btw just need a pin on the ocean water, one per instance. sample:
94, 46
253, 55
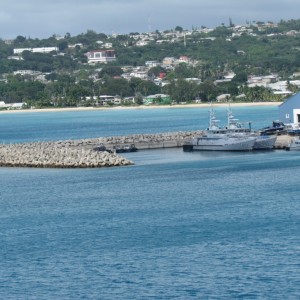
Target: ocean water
175, 225
33, 126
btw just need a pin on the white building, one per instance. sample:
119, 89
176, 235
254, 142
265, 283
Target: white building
27, 72
223, 98
139, 74
101, 56
152, 63
36, 50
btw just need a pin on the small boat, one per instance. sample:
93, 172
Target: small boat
277, 127
294, 145
292, 128
125, 148
102, 148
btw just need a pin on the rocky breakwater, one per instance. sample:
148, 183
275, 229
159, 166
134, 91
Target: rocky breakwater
56, 155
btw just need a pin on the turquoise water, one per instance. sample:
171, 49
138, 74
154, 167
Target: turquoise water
175, 225
31, 126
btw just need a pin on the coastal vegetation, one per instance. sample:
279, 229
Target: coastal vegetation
64, 78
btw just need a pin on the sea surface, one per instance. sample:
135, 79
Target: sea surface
175, 225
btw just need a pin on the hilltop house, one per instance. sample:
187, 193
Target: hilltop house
36, 50
289, 110
101, 56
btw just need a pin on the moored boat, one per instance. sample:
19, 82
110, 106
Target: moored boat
125, 148
222, 142
218, 139
262, 142
294, 145
102, 148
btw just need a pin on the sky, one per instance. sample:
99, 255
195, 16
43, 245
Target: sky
44, 18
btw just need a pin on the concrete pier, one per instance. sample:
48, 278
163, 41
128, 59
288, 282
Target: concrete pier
141, 141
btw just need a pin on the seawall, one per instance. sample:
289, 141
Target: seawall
56, 155
80, 153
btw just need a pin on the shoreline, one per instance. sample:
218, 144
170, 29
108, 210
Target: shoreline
200, 105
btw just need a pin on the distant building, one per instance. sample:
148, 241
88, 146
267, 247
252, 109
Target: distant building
101, 56
152, 63
139, 74
261, 80
12, 105
223, 98
169, 60
153, 98
15, 57
289, 110
36, 50
142, 43
27, 72
184, 59
79, 45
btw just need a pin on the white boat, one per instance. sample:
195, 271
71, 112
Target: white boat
222, 142
294, 145
237, 128
264, 142
218, 139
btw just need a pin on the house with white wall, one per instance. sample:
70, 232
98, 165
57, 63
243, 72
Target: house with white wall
36, 50
100, 56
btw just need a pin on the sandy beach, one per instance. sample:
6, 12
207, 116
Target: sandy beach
199, 105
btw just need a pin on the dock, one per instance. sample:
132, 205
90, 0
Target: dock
140, 141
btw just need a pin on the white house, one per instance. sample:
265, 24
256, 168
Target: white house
223, 98
36, 50
139, 74
152, 63
101, 56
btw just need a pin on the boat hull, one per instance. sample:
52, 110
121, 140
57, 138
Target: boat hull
222, 144
294, 145
264, 142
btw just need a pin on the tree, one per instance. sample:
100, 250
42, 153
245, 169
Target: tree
178, 28
62, 45
19, 40
148, 88
182, 91
110, 71
118, 86
240, 77
208, 91
138, 98
155, 71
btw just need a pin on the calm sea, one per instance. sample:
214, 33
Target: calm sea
175, 225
